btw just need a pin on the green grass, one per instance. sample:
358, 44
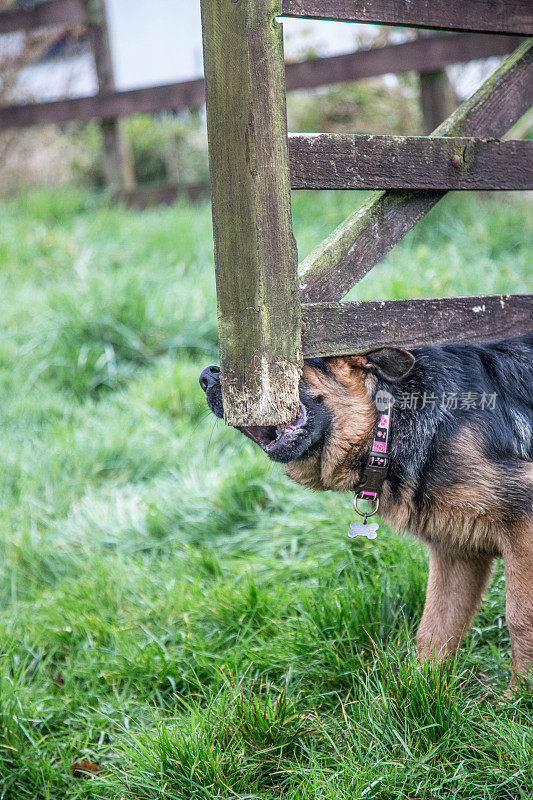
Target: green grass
173, 608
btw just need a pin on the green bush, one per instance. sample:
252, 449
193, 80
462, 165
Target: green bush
363, 107
165, 148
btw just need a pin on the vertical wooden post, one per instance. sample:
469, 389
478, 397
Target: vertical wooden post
437, 96
118, 165
255, 251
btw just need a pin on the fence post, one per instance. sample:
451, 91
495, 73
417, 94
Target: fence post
118, 165
255, 252
437, 96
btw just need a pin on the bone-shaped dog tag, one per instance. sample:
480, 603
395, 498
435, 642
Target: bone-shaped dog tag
363, 529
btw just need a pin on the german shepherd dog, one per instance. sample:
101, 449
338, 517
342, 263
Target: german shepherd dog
460, 476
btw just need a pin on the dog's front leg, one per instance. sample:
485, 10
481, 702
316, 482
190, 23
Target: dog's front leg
454, 590
518, 561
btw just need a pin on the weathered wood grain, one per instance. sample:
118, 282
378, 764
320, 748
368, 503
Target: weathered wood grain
498, 16
346, 328
40, 15
255, 251
369, 233
361, 161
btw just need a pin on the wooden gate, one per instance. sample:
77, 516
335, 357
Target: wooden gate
272, 312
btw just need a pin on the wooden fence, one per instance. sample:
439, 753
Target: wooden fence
272, 311
428, 57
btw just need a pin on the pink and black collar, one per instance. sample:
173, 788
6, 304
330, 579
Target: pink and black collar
377, 465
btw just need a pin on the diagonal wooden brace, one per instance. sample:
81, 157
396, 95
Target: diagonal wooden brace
345, 256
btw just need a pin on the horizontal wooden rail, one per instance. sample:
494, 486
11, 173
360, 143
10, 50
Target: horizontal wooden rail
498, 16
357, 161
370, 232
428, 54
346, 328
40, 15
147, 195
425, 55
105, 106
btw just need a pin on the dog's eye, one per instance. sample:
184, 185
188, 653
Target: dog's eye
319, 398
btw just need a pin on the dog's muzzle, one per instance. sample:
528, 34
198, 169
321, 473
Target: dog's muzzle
209, 377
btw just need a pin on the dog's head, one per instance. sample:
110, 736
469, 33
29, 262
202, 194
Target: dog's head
323, 446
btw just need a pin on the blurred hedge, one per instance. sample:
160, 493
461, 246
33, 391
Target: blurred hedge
165, 148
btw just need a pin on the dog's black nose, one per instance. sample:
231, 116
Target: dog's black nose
209, 376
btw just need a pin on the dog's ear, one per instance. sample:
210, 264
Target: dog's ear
388, 363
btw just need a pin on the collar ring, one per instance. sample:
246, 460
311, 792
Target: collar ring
373, 500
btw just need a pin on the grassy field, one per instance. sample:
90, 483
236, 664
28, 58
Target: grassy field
174, 610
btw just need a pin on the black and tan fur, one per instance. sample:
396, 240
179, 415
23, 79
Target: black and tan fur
459, 479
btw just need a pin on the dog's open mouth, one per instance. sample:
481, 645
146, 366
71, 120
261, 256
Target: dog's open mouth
271, 436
